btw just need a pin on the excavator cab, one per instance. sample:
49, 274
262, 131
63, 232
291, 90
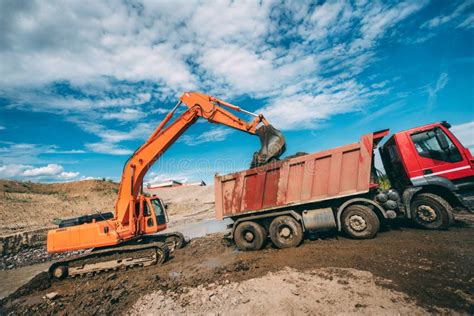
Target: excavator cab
152, 214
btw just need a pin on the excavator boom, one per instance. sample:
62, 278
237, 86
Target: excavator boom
199, 105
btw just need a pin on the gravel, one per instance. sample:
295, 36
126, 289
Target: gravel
31, 256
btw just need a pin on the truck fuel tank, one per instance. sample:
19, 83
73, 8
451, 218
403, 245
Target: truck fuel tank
319, 219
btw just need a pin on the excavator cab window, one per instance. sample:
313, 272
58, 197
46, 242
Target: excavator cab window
146, 211
159, 212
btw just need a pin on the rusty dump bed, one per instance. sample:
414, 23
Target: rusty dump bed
325, 175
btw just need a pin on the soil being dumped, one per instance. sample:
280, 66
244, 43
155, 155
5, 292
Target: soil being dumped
417, 271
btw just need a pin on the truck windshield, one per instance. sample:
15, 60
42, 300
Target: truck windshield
428, 146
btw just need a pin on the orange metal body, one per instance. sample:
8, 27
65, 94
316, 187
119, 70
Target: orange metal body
325, 175
130, 222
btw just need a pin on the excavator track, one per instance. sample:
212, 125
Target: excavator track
110, 259
174, 240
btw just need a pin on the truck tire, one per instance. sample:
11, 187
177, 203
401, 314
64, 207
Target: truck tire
431, 211
286, 232
250, 236
360, 222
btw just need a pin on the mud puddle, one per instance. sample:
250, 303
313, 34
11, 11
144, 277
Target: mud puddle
13, 279
201, 228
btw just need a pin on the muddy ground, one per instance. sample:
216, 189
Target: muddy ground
432, 268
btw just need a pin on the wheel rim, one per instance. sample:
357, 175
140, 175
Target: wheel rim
426, 213
285, 232
249, 236
357, 223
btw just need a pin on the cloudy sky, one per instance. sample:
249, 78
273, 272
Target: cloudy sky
83, 83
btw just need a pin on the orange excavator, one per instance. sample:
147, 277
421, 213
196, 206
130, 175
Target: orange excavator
129, 237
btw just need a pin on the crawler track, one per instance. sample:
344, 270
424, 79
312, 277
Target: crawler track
143, 252
102, 260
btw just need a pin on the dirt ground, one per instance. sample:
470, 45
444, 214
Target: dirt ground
188, 203
402, 270
286, 292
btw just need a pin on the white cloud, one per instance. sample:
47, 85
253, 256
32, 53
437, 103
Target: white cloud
465, 134
214, 135
108, 148
2, 127
154, 177
125, 115
455, 15
434, 90
48, 173
468, 22
308, 110
51, 169
290, 54
22, 153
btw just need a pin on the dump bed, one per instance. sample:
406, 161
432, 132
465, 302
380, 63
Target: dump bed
324, 175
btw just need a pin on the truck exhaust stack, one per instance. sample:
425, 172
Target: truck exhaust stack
273, 145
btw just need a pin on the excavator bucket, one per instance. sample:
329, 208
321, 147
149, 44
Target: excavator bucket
273, 145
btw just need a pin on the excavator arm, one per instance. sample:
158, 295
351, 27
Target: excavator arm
198, 105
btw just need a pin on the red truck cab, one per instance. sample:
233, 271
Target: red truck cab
429, 161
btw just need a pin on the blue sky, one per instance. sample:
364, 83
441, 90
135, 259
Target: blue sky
83, 83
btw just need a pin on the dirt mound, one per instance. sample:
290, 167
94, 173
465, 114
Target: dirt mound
187, 202
286, 292
77, 187
26, 206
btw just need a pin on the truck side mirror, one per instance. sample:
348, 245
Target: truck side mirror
441, 138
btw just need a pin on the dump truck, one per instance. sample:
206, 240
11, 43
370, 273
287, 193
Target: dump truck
431, 173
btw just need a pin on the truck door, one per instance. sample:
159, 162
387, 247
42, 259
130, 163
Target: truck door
438, 155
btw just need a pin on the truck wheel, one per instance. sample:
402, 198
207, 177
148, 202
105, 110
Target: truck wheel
431, 211
360, 222
286, 232
250, 236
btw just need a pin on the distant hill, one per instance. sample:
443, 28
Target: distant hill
28, 206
